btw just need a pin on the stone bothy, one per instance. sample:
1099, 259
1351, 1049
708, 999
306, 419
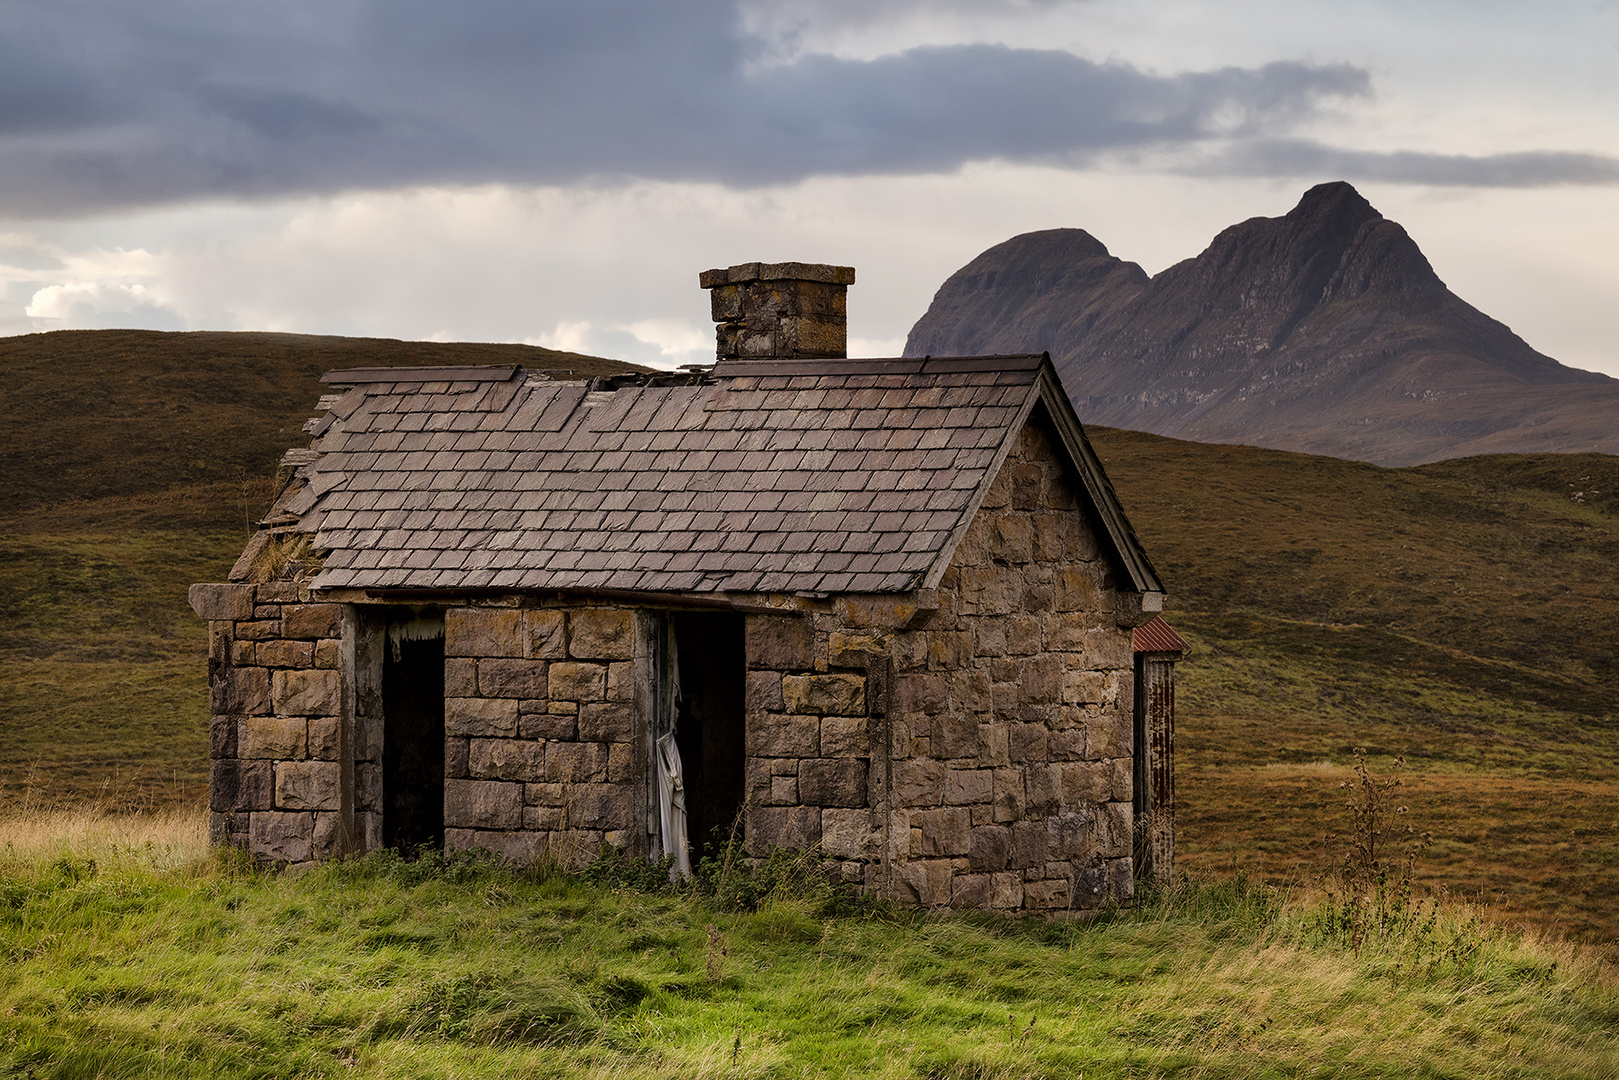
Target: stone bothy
878, 609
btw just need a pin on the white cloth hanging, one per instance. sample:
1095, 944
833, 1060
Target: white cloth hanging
671, 782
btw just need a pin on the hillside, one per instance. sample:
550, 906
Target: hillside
1325, 330
1463, 615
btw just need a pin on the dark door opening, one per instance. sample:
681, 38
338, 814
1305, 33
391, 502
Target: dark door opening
413, 733
711, 727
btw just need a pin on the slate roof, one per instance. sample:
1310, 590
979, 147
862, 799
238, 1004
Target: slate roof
774, 476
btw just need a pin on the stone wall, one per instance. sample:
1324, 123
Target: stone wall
275, 690
545, 752
976, 753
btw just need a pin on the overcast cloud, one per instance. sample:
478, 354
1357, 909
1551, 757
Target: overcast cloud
108, 104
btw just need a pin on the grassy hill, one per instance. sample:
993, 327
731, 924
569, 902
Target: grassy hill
1462, 615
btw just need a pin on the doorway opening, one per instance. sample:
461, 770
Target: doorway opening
413, 731
710, 725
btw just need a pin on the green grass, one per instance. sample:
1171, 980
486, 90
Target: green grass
152, 958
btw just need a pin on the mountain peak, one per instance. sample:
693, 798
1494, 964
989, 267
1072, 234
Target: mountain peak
1338, 200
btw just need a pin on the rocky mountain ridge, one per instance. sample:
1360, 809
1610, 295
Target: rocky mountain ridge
1325, 330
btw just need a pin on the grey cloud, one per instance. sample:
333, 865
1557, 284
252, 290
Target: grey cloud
129, 104
1298, 157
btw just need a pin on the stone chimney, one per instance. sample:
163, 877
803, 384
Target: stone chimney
780, 311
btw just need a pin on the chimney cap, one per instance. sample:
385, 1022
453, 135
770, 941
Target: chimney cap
742, 273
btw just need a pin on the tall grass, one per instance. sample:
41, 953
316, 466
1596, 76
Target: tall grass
131, 950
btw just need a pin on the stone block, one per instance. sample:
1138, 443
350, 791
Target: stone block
970, 891
1078, 590
573, 763
782, 791
329, 654
1071, 835
1067, 744
921, 692
1111, 734
238, 786
547, 634
1027, 743
368, 786
548, 725
600, 806
1062, 632
963, 787
780, 643
990, 847
1029, 844
306, 693
881, 612
285, 654
505, 677
308, 785
505, 759
1084, 688
783, 736
1009, 795
925, 882
1023, 635
281, 738
1006, 891
601, 634
544, 794
1040, 679
281, 837
606, 722
1116, 831
835, 694
1109, 649
991, 590
1121, 883
329, 840
241, 652
1042, 787
460, 677
621, 680
277, 592
854, 650
480, 717
764, 691
243, 690
989, 636
544, 818
955, 735
993, 744
918, 783
1047, 895
569, 681
221, 603
323, 738
1123, 779
1086, 783
510, 847
832, 782
259, 629
222, 731
949, 649
482, 804
848, 834
844, 737
622, 762
796, 828
483, 632
311, 621
946, 831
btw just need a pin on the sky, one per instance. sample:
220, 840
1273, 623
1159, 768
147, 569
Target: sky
558, 173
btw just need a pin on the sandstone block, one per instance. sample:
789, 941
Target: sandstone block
782, 791
1109, 649
880, 612
783, 736
844, 737
848, 834
606, 722
506, 677
1040, 679
1062, 632
505, 759
1079, 590
621, 680
547, 634
1084, 687
1009, 795
368, 786
965, 786
1046, 895
482, 804
918, 783
572, 763
780, 643
601, 634
623, 763
235, 786
329, 654
242, 690
577, 682
832, 782
221, 603
285, 654
1011, 538
835, 694
1006, 891
281, 837
599, 806
513, 848
955, 735
946, 831
259, 629
460, 677
483, 632
544, 794
480, 717
328, 840
1090, 884
1111, 734
796, 828
1042, 786
1029, 844
1071, 836
994, 741
971, 891
1117, 829
1024, 635
544, 818
306, 693
764, 691
307, 785
990, 847
921, 692
282, 738
323, 738
1067, 744
222, 732
1122, 775
311, 621
925, 882
561, 726
1086, 783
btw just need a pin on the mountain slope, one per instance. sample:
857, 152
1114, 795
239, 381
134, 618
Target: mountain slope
1325, 330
